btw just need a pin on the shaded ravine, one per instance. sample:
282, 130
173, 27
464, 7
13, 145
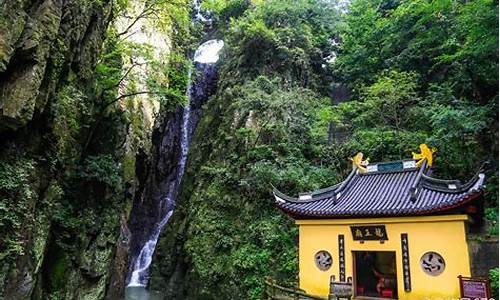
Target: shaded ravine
155, 206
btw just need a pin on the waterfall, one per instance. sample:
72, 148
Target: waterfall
208, 52
205, 57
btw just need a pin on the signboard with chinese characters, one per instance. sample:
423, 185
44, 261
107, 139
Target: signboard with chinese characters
369, 233
341, 258
340, 289
474, 288
405, 254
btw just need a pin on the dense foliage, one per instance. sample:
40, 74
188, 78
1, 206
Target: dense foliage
419, 72
494, 282
422, 72
14, 185
453, 77
262, 129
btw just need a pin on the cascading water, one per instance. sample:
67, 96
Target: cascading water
205, 56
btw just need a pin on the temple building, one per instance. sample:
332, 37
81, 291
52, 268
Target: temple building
390, 228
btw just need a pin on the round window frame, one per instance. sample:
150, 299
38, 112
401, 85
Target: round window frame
320, 267
427, 272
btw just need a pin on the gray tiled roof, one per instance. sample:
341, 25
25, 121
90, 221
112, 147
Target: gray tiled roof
403, 192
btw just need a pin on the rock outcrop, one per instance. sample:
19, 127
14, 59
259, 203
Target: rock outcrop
67, 178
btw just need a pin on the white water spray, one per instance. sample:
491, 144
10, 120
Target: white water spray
208, 52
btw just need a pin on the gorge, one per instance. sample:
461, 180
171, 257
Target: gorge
140, 140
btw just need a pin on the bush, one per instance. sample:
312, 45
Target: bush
16, 193
492, 217
70, 112
494, 282
101, 168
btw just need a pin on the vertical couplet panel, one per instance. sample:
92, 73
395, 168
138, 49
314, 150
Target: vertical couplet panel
341, 258
405, 255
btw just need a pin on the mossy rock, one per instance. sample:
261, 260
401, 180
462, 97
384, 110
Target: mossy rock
57, 271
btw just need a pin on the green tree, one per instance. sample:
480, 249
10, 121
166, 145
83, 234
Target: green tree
451, 48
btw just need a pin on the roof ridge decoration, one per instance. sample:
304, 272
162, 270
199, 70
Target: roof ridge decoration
416, 186
371, 192
345, 183
425, 154
359, 163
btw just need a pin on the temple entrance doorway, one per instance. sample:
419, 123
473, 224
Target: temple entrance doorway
375, 275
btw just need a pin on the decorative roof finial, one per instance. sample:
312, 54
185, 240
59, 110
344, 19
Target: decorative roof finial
425, 154
358, 162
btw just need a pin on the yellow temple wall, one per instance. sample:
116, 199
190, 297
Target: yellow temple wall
444, 235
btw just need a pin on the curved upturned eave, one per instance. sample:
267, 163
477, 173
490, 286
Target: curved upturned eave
282, 198
315, 196
474, 183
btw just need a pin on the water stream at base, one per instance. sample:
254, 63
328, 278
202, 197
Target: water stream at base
206, 54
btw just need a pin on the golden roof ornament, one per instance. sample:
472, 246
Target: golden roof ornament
359, 163
425, 154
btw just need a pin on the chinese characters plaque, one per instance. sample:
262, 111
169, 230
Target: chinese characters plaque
369, 233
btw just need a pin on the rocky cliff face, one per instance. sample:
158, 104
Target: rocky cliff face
164, 171
172, 271
41, 42
67, 164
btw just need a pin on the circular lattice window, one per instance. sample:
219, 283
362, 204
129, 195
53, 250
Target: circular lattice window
323, 260
432, 263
